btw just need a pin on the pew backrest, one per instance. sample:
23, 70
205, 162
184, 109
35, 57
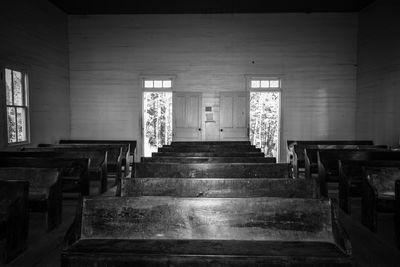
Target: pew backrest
220, 187
38, 178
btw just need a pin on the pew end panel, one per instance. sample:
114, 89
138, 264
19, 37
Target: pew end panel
14, 218
45, 191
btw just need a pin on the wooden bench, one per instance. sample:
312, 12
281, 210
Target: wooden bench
296, 150
219, 187
328, 162
209, 159
45, 193
212, 170
311, 160
168, 231
14, 218
97, 156
381, 193
220, 143
209, 154
116, 155
131, 143
207, 148
75, 171
350, 179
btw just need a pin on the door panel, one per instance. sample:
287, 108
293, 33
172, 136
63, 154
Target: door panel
233, 116
187, 116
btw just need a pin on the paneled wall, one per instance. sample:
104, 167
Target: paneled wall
34, 37
314, 54
378, 79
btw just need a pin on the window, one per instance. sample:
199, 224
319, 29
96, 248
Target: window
17, 106
255, 83
157, 84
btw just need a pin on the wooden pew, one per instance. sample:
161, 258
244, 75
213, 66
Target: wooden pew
328, 162
208, 154
98, 161
196, 143
14, 218
296, 150
311, 160
45, 193
350, 179
208, 148
219, 187
75, 171
212, 170
381, 193
113, 153
168, 231
209, 159
116, 154
131, 143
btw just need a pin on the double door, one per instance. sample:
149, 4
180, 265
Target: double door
231, 122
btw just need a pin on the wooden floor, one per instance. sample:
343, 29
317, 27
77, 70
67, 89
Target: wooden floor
44, 248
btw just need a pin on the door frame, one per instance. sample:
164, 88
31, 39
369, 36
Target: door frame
280, 91
141, 80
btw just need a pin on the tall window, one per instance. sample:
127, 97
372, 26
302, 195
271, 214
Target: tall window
17, 105
265, 115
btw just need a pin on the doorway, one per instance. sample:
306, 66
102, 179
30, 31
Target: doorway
265, 121
157, 120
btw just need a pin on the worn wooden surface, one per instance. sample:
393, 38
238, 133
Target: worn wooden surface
14, 218
212, 170
270, 229
219, 187
75, 172
209, 159
131, 143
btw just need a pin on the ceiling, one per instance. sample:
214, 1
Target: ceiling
207, 6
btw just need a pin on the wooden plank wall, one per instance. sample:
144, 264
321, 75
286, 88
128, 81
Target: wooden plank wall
315, 54
34, 36
378, 79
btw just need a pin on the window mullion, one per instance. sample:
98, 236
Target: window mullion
16, 124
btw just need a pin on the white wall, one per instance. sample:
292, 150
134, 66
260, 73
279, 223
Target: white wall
314, 53
34, 36
378, 79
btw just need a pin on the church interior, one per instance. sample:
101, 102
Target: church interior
199, 133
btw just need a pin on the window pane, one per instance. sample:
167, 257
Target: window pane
148, 84
8, 87
17, 80
21, 124
11, 123
167, 84
274, 83
255, 84
265, 84
157, 84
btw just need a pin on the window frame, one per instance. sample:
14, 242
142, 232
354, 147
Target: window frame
25, 103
